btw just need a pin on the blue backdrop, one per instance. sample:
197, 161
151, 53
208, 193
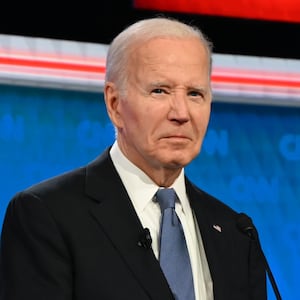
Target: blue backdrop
250, 160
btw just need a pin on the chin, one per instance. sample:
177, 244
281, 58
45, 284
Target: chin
175, 158
177, 163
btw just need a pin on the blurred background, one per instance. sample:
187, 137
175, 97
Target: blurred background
53, 118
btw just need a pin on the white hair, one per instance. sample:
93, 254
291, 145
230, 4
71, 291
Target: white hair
142, 31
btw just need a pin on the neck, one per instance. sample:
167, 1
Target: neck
164, 177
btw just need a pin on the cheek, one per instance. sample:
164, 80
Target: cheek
128, 114
134, 122
201, 122
205, 124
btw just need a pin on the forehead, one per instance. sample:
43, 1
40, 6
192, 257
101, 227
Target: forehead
168, 47
174, 56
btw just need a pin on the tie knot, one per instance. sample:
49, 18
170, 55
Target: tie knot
166, 198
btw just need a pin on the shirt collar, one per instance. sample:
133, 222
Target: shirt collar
140, 187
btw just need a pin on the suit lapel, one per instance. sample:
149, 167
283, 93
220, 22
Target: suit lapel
213, 233
109, 198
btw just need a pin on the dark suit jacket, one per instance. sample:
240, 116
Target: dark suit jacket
76, 237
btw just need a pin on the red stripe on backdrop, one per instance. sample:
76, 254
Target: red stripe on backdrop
52, 64
264, 79
272, 10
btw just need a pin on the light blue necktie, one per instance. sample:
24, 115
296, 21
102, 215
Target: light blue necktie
173, 257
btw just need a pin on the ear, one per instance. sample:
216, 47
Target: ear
112, 101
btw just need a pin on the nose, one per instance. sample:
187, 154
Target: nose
179, 109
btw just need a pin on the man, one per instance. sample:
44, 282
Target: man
81, 235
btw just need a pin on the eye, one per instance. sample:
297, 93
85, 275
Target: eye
158, 91
195, 93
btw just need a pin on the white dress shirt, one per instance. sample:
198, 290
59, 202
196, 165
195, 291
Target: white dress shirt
141, 190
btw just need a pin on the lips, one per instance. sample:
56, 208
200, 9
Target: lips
177, 137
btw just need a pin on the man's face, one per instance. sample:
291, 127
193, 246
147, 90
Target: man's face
163, 118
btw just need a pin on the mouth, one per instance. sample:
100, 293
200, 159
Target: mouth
177, 135
178, 138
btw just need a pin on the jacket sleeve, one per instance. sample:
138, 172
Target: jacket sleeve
34, 260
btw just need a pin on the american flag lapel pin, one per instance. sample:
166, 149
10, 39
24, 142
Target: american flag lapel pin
217, 227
